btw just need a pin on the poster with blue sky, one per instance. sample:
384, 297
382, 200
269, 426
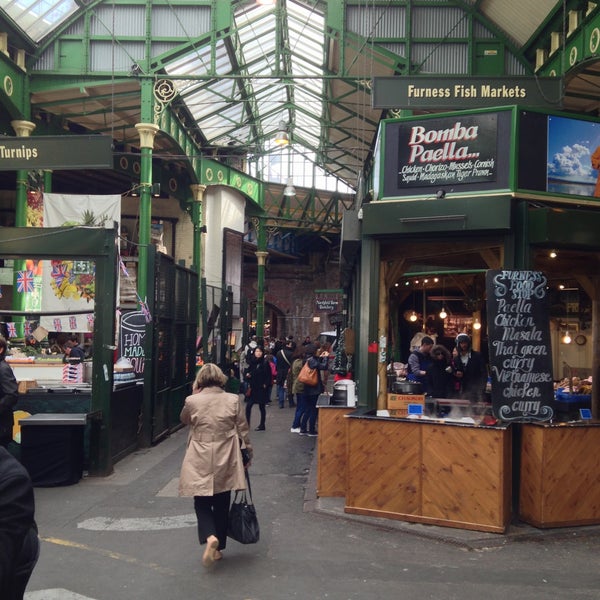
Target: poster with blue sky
573, 156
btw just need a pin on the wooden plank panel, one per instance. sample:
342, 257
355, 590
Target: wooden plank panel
531, 475
331, 448
384, 459
568, 492
463, 475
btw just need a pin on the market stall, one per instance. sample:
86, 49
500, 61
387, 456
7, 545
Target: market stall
429, 471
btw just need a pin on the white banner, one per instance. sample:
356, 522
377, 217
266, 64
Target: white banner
69, 286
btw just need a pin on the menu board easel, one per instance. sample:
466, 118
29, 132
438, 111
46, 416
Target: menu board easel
519, 346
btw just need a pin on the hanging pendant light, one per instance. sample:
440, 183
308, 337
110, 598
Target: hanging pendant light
476, 324
282, 138
289, 189
443, 313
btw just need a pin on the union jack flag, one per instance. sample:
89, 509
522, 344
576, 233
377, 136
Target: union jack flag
90, 322
57, 325
26, 328
72, 323
59, 271
123, 267
25, 281
144, 308
12, 329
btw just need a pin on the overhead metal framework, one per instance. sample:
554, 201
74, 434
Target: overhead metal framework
240, 70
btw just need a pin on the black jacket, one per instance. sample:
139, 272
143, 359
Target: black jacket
16, 523
283, 365
8, 399
258, 375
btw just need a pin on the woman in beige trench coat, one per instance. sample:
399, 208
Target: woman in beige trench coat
213, 466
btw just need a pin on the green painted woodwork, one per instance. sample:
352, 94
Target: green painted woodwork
582, 45
13, 89
576, 230
437, 216
99, 245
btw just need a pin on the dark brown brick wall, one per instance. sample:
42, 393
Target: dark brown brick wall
290, 295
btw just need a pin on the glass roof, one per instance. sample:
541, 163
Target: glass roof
39, 17
270, 72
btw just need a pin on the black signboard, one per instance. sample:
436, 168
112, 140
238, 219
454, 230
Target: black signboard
446, 152
519, 346
131, 340
56, 152
466, 92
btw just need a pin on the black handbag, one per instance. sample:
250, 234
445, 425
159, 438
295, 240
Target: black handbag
243, 523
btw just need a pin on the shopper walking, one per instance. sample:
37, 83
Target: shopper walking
260, 379
308, 422
284, 363
297, 388
213, 465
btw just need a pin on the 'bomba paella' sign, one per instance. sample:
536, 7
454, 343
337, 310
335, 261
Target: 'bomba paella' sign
448, 151
519, 345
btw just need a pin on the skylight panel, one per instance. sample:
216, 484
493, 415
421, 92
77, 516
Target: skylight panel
37, 18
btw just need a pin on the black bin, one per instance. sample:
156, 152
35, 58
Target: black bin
52, 448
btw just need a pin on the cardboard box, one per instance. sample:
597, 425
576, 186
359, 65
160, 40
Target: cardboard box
26, 384
397, 404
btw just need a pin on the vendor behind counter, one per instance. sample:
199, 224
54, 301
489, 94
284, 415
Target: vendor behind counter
73, 351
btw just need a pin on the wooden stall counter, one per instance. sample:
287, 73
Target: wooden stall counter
429, 471
560, 474
331, 450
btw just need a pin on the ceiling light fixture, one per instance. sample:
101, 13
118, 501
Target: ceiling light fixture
282, 138
266, 2
553, 254
476, 324
289, 189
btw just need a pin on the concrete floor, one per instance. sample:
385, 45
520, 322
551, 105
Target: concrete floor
129, 536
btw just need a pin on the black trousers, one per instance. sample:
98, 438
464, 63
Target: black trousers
261, 407
212, 513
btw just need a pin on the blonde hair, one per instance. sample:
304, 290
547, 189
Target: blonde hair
209, 375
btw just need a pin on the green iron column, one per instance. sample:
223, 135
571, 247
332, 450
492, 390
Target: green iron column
197, 216
22, 129
147, 132
261, 256
48, 181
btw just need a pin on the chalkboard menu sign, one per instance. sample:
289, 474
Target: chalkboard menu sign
519, 346
131, 340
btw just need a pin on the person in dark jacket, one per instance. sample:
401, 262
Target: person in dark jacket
439, 374
419, 362
259, 377
8, 396
19, 544
311, 392
284, 362
469, 370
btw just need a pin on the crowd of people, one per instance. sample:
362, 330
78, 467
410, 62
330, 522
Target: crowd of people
461, 373
266, 372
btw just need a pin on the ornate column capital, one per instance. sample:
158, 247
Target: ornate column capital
198, 190
147, 133
22, 128
261, 256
